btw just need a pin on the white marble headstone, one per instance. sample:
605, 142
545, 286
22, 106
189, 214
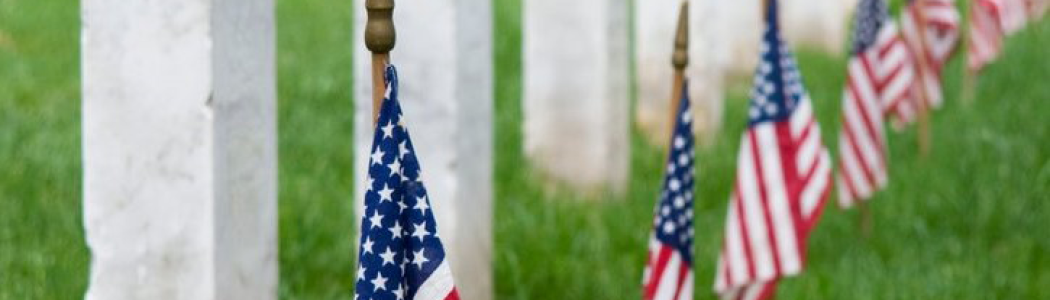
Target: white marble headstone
444, 60
576, 90
180, 152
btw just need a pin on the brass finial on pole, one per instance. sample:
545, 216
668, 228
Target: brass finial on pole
379, 38
679, 59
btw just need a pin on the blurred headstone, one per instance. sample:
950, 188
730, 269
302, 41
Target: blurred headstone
576, 91
808, 24
818, 24
180, 152
444, 60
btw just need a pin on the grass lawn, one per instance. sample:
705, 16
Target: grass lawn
967, 222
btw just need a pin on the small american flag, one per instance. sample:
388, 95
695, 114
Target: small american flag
941, 30
1014, 14
783, 178
401, 255
879, 78
986, 33
669, 269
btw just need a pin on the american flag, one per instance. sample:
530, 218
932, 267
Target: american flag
669, 269
986, 33
941, 31
401, 255
783, 178
1013, 14
879, 77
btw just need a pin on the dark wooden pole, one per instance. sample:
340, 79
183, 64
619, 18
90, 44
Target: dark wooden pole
380, 39
679, 59
762, 13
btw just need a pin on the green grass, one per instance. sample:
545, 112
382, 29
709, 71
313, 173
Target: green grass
966, 222
42, 251
315, 149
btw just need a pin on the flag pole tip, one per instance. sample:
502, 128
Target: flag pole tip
680, 57
379, 29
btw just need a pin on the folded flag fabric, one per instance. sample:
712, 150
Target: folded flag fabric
400, 254
879, 78
668, 271
783, 177
941, 30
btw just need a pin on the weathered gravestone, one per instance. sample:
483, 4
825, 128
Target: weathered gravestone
576, 91
819, 24
725, 39
444, 59
180, 151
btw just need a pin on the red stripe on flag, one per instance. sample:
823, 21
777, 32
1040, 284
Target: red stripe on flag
658, 271
454, 295
683, 270
869, 124
744, 235
793, 186
768, 291
854, 145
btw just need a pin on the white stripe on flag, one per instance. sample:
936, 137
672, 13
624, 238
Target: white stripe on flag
754, 290
802, 116
862, 140
734, 239
808, 147
814, 190
757, 229
851, 167
438, 285
686, 292
668, 284
897, 86
777, 202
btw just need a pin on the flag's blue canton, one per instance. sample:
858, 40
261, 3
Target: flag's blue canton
778, 83
673, 224
871, 15
400, 247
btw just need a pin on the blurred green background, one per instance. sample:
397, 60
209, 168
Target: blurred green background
968, 222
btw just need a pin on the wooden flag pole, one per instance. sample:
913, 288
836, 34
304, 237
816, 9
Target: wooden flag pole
762, 13
924, 99
379, 38
679, 59
969, 83
865, 219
